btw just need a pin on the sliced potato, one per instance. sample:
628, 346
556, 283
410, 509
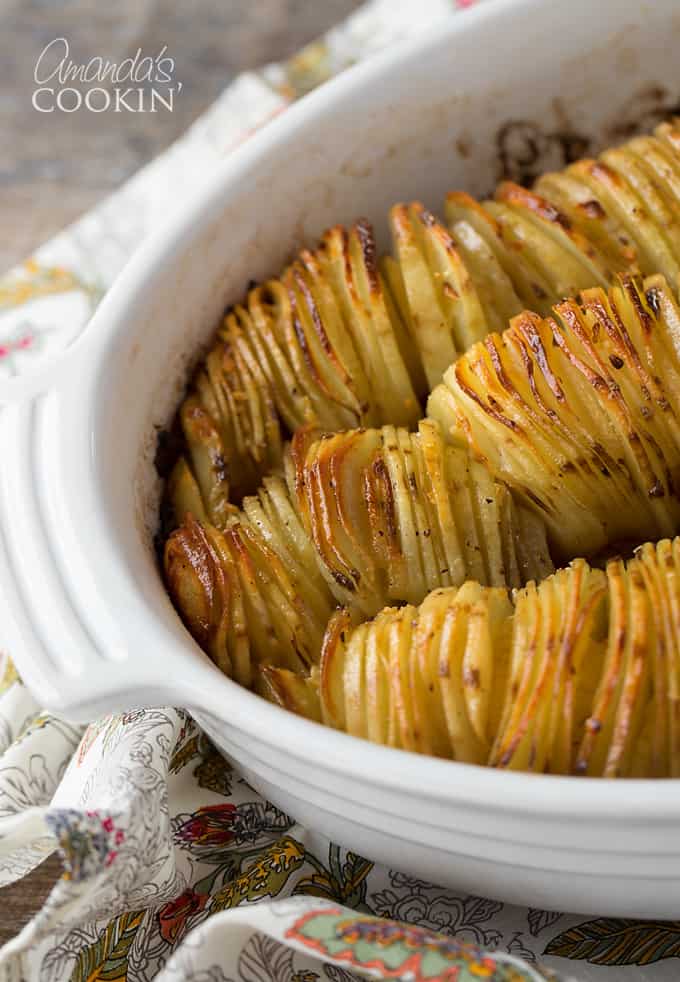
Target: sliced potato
580, 262
419, 679
579, 416
394, 514
578, 674
587, 214
184, 494
345, 338
297, 693
460, 207
495, 291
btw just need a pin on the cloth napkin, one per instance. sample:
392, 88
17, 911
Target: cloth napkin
173, 867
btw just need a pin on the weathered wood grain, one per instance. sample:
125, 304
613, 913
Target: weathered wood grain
54, 166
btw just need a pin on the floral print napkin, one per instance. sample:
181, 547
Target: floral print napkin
173, 867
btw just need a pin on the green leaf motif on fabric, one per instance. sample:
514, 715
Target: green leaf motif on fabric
398, 950
614, 941
107, 959
265, 878
214, 773
185, 753
342, 880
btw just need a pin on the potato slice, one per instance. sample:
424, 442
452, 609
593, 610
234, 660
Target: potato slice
296, 693
654, 563
460, 207
635, 690
578, 415
208, 461
412, 582
444, 478
282, 533
183, 494
329, 383
465, 742
429, 561
197, 582
281, 628
620, 199
588, 215
380, 711
554, 629
512, 747
430, 726
594, 749
331, 669
431, 540
487, 512
265, 321
663, 213
354, 682
430, 309
204, 584
661, 567
397, 635
374, 322
579, 259
557, 272
339, 521
397, 303
495, 291
489, 609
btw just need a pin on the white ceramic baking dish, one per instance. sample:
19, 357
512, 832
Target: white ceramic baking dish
84, 612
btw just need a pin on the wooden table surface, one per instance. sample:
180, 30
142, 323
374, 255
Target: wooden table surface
55, 166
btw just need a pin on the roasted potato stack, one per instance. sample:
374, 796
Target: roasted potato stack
530, 248
368, 517
394, 514
453, 292
626, 203
557, 638
576, 229
324, 344
251, 592
343, 339
577, 675
579, 414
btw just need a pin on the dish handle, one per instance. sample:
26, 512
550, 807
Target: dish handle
69, 642
56, 372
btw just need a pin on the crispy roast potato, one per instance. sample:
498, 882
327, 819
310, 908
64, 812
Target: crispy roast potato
345, 339
324, 345
368, 517
394, 514
580, 414
252, 592
563, 428
557, 626
576, 675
